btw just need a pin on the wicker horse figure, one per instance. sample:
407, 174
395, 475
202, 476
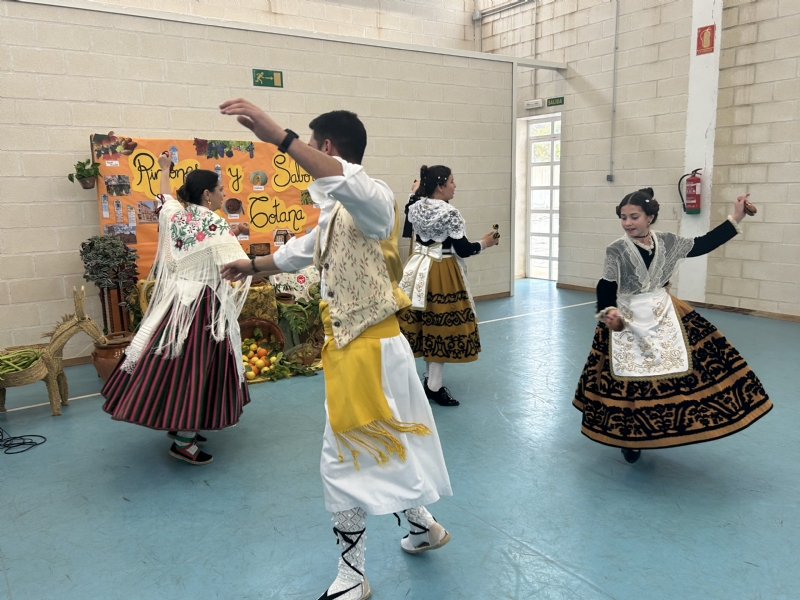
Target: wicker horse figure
52, 353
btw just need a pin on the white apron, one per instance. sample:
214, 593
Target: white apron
415, 274
653, 344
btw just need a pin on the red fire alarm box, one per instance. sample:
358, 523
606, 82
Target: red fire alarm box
705, 39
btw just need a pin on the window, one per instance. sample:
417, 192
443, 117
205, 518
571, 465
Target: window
544, 178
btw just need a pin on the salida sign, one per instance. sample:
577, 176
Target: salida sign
266, 202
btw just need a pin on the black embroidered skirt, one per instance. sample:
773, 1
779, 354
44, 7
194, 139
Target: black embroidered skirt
447, 330
718, 398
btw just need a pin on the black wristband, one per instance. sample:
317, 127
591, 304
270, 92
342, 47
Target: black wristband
287, 141
253, 263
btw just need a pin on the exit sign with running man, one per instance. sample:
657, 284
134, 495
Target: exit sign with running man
264, 78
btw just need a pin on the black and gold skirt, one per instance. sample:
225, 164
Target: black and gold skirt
447, 330
720, 396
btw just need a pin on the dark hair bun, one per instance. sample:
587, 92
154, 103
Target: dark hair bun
644, 199
181, 192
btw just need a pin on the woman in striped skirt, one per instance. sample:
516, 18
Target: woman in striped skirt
182, 372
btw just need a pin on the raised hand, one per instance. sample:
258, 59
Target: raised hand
739, 208
164, 161
255, 119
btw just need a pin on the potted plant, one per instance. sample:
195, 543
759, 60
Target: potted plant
86, 172
111, 266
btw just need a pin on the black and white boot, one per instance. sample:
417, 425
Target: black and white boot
424, 532
351, 533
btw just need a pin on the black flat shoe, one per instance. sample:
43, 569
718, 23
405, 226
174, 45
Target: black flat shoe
631, 455
201, 458
442, 396
198, 439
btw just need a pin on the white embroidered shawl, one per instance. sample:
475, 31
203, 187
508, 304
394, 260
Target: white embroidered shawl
193, 245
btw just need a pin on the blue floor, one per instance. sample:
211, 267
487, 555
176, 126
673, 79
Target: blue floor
101, 511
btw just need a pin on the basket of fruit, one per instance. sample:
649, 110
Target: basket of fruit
262, 353
261, 340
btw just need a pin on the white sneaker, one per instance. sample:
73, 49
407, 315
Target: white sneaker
433, 538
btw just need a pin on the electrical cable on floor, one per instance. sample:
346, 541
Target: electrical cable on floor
18, 444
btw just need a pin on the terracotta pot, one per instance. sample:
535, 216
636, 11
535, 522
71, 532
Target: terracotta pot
285, 298
105, 358
87, 183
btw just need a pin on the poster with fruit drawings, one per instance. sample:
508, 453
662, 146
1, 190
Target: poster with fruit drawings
266, 198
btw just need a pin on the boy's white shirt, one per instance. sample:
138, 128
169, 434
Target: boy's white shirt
369, 201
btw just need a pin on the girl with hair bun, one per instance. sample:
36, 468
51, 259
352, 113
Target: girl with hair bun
183, 371
659, 375
440, 324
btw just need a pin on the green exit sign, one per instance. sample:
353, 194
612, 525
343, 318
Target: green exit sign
555, 101
264, 78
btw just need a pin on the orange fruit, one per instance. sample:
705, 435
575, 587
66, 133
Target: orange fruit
261, 353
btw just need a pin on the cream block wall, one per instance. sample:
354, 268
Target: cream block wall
758, 151
652, 88
438, 23
66, 73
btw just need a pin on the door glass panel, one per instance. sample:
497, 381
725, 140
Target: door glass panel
540, 199
544, 179
540, 129
541, 152
539, 269
540, 176
540, 246
540, 223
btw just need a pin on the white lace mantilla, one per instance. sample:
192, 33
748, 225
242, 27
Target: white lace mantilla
436, 220
653, 344
625, 265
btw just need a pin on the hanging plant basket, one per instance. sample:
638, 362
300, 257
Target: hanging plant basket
87, 183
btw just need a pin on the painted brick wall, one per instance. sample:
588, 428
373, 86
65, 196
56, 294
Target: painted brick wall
758, 151
66, 73
438, 23
652, 87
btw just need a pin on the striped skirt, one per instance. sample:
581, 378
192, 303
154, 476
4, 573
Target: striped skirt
198, 390
718, 398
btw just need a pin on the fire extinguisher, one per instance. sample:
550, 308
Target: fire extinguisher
691, 205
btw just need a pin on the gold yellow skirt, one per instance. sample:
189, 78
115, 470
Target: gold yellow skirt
720, 396
447, 330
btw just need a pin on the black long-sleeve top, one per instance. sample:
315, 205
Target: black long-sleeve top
607, 290
461, 246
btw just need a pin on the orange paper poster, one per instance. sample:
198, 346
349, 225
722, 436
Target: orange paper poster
266, 198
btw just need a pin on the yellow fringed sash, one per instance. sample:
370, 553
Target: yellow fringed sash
357, 407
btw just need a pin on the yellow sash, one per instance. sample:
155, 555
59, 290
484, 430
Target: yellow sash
357, 407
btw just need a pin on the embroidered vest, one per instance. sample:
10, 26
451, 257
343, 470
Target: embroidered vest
361, 276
